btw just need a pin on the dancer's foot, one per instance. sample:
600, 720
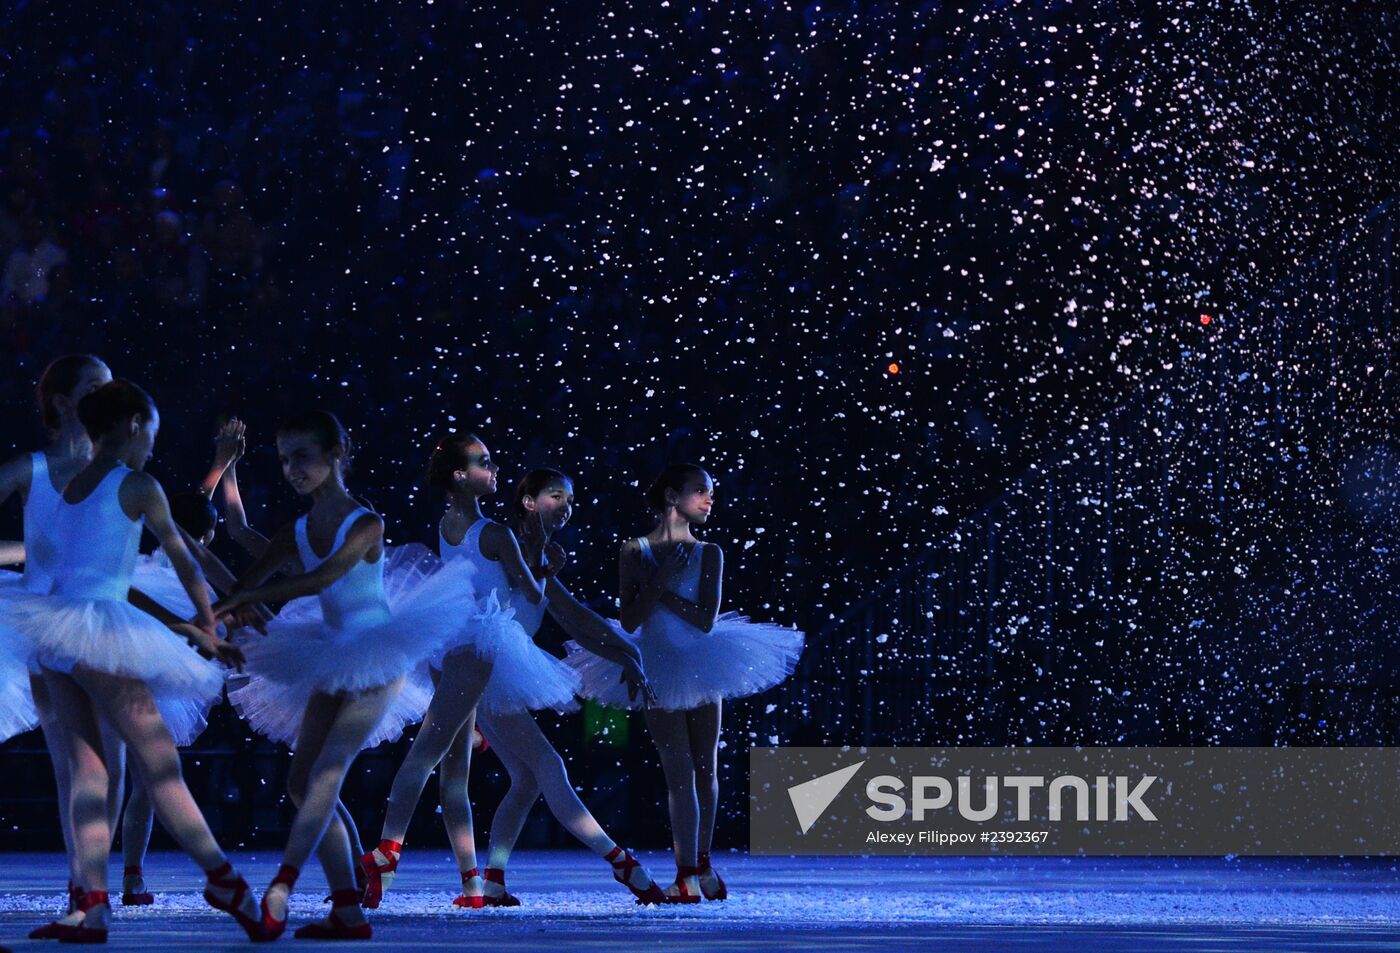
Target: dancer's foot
226, 890
686, 889
628, 871
275, 901
473, 895
93, 927
70, 918
493, 890
134, 893
711, 884
379, 866
345, 922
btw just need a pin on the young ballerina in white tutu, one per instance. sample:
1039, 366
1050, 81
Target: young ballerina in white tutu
329, 682
670, 586
24, 701
105, 660
39, 478
505, 676
543, 505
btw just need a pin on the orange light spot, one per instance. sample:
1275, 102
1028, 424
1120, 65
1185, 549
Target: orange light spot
1205, 319
893, 368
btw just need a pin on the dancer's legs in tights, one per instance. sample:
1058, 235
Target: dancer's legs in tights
703, 724
351, 830
136, 826
83, 700
688, 744
535, 768
456, 802
456, 693
54, 738
333, 731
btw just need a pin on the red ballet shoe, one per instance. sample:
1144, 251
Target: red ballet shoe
240, 905
711, 885
134, 893
494, 893
479, 742
686, 889
627, 869
93, 929
334, 928
379, 866
50, 930
270, 928
468, 900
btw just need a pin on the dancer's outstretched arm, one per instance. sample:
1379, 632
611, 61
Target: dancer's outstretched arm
595, 635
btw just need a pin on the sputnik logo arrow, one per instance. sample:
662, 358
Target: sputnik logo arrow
810, 799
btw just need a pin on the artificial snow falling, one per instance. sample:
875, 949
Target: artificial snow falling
1041, 353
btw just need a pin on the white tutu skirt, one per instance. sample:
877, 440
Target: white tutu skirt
688, 668
17, 713
117, 638
155, 577
302, 655
524, 677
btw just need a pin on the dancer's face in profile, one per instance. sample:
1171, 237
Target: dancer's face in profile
478, 477
140, 440
305, 463
695, 499
554, 504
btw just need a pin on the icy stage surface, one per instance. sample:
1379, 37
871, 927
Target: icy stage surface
571, 903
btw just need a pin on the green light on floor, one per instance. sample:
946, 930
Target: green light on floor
609, 725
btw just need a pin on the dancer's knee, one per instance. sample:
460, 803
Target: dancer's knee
706, 771
549, 767
297, 779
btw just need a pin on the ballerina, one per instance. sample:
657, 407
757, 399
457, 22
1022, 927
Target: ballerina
506, 682
105, 660
329, 682
39, 478
670, 584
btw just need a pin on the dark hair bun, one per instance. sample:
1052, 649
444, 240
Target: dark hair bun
671, 478
449, 456
60, 377
113, 404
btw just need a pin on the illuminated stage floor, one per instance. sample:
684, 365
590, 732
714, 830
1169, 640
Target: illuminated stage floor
885, 903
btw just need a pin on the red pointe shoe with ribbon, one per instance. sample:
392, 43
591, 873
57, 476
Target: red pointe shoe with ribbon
711, 885
686, 889
270, 928
628, 871
239, 900
494, 893
333, 927
479, 742
49, 931
379, 866
93, 928
134, 893
473, 895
